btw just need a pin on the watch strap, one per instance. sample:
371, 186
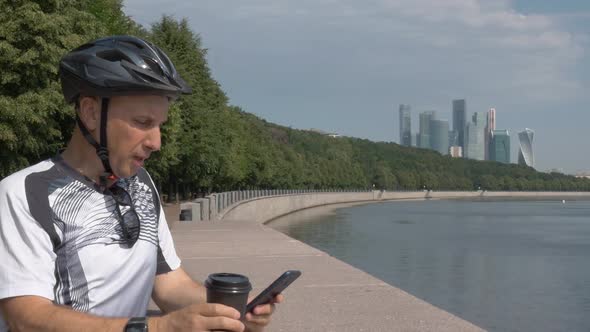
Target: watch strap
137, 324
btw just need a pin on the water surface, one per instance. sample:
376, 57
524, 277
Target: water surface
503, 265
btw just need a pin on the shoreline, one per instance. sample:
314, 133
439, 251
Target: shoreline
329, 209
265, 209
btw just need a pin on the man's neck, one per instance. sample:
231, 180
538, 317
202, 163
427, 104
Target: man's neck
81, 156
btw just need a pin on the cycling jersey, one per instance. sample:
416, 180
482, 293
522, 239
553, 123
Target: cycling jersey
60, 239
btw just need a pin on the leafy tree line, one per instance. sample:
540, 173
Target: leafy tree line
208, 145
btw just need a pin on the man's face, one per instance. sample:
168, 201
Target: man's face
133, 131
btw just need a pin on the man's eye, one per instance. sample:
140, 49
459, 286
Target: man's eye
142, 122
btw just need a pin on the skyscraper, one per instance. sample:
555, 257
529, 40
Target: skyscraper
474, 137
424, 138
453, 138
490, 127
525, 154
459, 120
405, 125
500, 146
439, 136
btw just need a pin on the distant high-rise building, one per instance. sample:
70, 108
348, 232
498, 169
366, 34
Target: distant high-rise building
474, 137
525, 154
453, 138
424, 138
415, 139
490, 127
439, 136
492, 119
500, 146
459, 120
456, 151
405, 125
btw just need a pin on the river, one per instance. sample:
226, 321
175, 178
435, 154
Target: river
502, 265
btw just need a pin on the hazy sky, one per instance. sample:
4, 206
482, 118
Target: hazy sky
345, 66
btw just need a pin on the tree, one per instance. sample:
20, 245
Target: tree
34, 119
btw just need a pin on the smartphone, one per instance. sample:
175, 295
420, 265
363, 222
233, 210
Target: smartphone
274, 289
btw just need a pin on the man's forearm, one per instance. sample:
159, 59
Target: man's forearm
191, 293
177, 290
29, 313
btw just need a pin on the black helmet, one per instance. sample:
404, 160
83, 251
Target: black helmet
118, 66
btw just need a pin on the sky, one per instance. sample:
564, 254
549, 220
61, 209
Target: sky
344, 66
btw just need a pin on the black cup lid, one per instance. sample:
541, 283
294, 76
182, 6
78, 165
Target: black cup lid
229, 280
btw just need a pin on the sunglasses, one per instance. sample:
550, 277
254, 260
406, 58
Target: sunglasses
129, 221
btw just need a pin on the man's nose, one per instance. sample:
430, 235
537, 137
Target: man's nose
154, 139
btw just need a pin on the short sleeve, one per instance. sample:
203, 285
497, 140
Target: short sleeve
167, 258
26, 251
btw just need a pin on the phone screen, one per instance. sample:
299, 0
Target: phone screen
274, 289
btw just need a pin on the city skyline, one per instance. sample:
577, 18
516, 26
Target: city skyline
339, 66
482, 140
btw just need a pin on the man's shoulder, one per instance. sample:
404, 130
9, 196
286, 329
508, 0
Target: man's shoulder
144, 176
16, 180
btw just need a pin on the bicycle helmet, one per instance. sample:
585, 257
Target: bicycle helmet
117, 66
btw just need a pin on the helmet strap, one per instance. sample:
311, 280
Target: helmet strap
101, 149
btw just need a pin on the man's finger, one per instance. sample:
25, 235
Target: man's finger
264, 309
215, 310
223, 323
258, 319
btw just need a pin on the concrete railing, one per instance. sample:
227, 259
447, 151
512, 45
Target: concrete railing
215, 206
264, 205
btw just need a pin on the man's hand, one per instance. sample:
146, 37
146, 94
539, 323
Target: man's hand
256, 321
199, 317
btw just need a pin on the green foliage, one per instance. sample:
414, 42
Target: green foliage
208, 145
34, 120
111, 17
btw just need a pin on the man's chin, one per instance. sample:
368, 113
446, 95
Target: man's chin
131, 171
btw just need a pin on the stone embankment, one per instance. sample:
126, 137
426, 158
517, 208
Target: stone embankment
265, 205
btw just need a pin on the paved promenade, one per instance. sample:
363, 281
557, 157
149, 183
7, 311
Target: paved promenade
329, 296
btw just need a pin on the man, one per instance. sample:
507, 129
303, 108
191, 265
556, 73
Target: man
83, 240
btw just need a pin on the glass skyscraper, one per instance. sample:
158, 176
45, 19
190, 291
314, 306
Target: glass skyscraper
439, 136
500, 146
475, 137
405, 125
424, 137
490, 127
459, 120
525, 154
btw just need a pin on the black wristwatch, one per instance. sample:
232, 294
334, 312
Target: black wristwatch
137, 324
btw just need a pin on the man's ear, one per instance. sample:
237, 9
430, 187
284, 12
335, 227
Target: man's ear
89, 112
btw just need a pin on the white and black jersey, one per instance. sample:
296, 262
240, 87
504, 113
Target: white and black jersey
60, 239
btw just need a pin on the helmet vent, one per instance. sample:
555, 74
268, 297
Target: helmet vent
154, 66
112, 55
